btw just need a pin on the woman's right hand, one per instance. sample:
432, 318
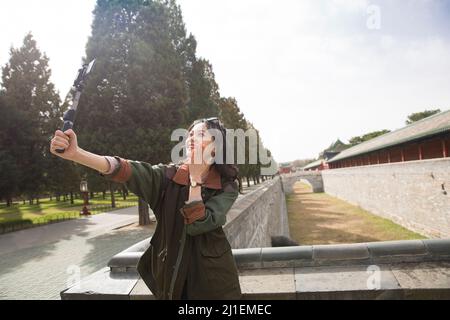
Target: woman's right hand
67, 141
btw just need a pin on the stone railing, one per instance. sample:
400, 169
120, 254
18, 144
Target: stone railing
377, 270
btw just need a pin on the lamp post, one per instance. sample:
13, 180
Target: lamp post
85, 192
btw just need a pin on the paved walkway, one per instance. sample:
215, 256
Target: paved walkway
87, 227
38, 263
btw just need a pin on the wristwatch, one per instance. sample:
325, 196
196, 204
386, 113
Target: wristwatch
195, 184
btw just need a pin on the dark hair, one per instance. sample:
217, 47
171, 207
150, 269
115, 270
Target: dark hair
228, 172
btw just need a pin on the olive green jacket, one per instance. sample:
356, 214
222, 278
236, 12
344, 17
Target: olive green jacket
192, 256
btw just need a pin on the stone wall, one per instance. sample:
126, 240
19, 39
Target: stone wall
414, 194
258, 216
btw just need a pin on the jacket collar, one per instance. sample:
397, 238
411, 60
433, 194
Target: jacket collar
213, 179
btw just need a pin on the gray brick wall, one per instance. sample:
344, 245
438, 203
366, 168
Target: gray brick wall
258, 216
409, 193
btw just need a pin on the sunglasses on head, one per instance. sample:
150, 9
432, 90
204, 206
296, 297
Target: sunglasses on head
214, 119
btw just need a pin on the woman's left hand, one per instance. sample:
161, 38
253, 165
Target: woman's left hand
198, 172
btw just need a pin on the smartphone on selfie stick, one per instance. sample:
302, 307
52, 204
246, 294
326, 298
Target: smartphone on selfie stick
78, 86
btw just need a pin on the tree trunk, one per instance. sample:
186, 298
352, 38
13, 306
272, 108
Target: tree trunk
113, 199
124, 193
248, 181
71, 198
8, 201
104, 194
37, 200
58, 197
30, 201
144, 214
92, 195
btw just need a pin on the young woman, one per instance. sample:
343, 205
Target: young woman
189, 256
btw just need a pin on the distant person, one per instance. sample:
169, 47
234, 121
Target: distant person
189, 255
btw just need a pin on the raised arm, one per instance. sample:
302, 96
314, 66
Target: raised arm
143, 179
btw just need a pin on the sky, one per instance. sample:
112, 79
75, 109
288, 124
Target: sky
305, 73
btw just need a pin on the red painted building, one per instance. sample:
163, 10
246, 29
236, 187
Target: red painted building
426, 139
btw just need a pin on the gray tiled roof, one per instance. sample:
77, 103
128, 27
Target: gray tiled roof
426, 127
313, 164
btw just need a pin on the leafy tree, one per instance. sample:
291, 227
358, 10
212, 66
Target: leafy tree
137, 93
9, 181
413, 117
31, 104
203, 91
233, 118
231, 115
366, 137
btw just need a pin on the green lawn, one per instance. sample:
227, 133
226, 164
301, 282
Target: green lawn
318, 218
53, 210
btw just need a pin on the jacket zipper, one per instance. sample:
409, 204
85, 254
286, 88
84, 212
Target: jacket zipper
177, 264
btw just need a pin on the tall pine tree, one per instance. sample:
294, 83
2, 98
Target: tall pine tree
31, 104
137, 93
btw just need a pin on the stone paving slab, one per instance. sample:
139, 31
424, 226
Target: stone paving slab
344, 278
423, 275
104, 285
274, 283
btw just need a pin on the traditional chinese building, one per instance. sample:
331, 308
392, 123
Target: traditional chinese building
425, 139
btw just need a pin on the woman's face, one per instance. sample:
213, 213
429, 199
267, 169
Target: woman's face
200, 145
